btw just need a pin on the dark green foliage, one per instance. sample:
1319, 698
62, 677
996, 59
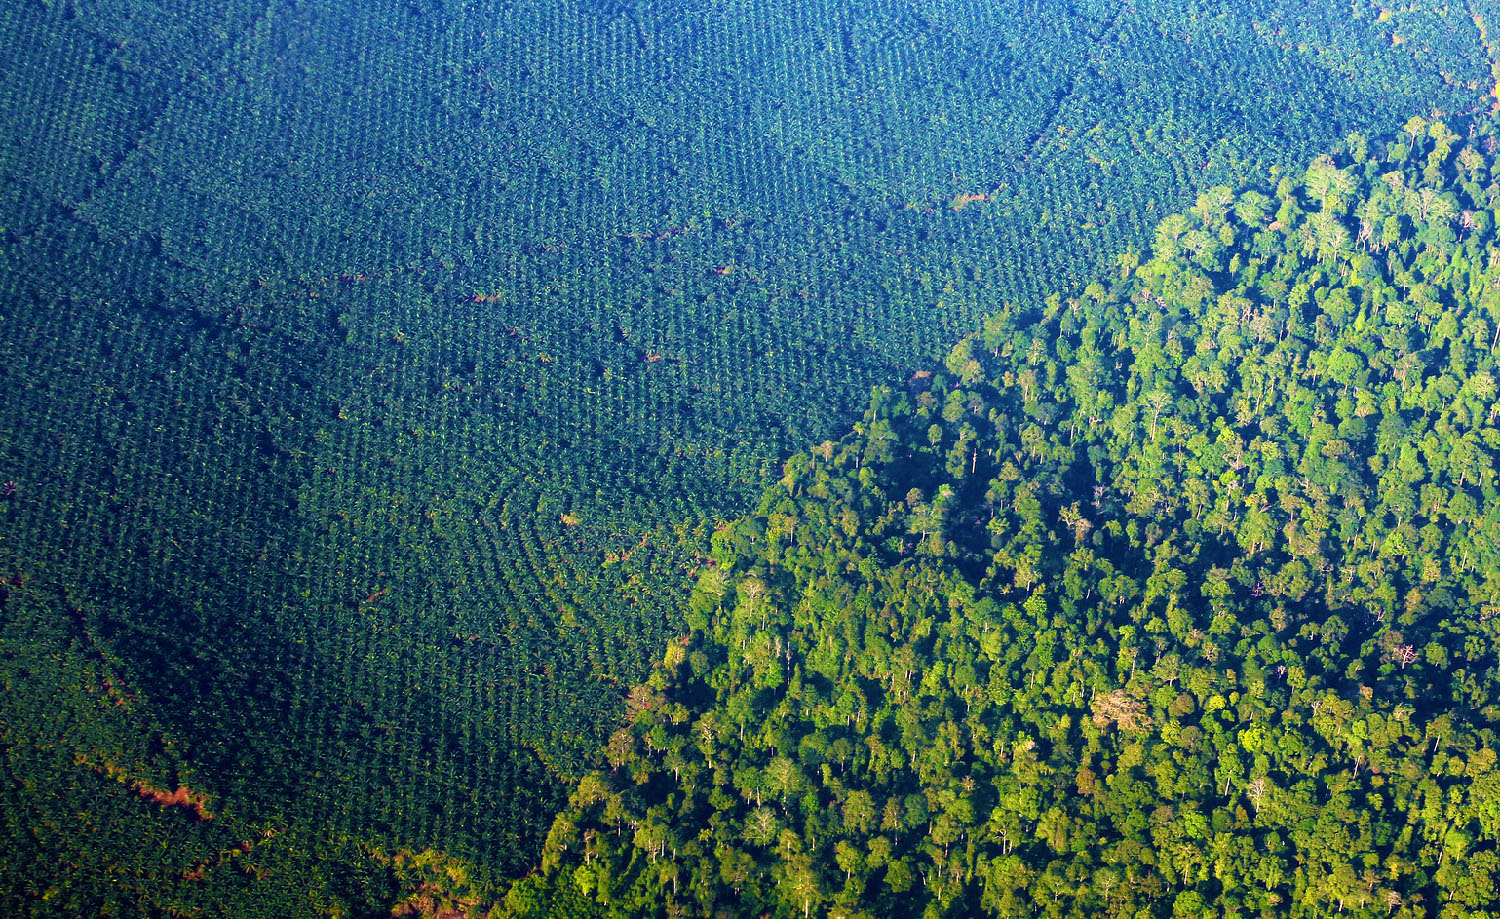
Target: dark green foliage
374, 371
1175, 598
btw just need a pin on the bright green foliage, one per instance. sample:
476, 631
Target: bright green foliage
1187, 610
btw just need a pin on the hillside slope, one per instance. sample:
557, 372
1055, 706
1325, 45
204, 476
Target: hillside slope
375, 372
1177, 598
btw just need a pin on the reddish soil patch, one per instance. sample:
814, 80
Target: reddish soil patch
194, 802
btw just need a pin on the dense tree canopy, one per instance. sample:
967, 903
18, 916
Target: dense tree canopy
1174, 598
375, 374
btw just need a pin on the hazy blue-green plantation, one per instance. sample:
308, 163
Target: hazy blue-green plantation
375, 377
